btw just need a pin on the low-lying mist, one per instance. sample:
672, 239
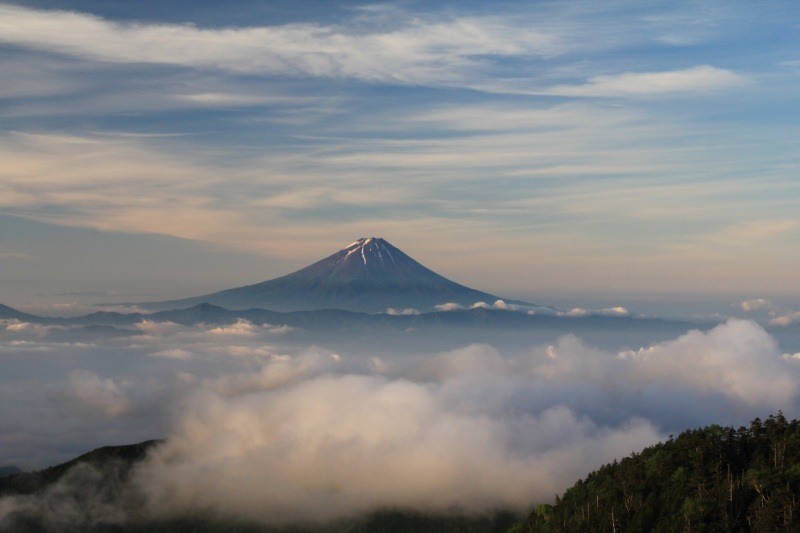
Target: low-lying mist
260, 426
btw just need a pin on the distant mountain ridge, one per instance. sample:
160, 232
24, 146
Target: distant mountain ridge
370, 275
478, 320
9, 312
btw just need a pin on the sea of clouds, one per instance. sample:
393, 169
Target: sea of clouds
268, 429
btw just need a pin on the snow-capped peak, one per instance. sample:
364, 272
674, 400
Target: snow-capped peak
363, 241
370, 248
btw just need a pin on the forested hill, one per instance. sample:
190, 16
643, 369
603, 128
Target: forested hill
713, 479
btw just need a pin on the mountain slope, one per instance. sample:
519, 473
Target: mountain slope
370, 275
7, 312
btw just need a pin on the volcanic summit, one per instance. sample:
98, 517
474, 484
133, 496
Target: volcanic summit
370, 275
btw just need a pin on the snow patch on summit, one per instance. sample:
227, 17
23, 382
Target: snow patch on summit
368, 246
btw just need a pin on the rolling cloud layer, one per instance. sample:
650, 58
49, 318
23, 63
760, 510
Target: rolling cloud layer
260, 427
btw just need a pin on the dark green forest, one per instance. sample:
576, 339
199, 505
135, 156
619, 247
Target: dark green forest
713, 479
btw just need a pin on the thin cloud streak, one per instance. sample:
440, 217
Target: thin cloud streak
700, 78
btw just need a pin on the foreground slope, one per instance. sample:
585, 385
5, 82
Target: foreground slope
370, 275
711, 479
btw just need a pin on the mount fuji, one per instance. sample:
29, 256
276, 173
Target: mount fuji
370, 275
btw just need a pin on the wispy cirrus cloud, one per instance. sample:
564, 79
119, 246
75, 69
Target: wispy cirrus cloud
411, 51
72, 172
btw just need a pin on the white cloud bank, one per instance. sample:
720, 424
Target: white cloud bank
313, 435
468, 428
739, 360
339, 445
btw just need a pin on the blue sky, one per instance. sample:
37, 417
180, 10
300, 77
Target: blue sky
541, 150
